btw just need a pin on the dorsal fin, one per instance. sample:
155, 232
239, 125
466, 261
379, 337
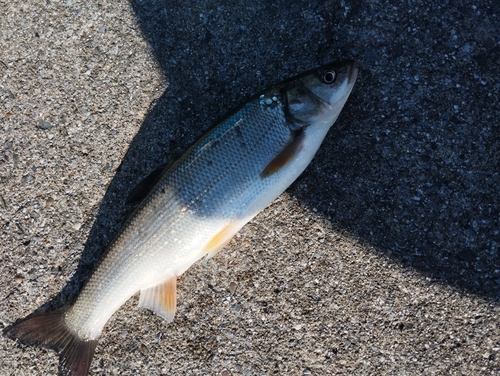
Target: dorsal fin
284, 157
162, 298
142, 189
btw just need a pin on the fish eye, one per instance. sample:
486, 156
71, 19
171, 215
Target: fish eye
328, 76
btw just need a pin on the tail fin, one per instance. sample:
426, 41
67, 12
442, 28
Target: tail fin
50, 330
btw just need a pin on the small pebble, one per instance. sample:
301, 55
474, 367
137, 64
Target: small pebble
49, 202
232, 287
143, 349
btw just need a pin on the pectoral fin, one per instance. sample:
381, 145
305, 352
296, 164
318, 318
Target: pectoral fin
162, 299
284, 157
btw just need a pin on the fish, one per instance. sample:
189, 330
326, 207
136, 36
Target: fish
192, 208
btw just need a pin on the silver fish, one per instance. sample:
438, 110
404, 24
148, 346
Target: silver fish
196, 206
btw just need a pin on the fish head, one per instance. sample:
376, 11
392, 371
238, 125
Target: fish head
317, 97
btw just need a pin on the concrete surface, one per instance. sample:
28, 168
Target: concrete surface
383, 258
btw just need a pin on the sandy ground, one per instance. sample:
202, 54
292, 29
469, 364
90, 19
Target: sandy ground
383, 258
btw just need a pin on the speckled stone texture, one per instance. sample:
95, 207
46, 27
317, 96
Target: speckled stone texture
383, 258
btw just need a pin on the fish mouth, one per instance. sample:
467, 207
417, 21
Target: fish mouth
353, 70
349, 64
352, 75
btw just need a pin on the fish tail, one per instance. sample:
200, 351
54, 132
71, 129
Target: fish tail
50, 330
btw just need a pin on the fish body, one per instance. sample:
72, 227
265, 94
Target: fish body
197, 206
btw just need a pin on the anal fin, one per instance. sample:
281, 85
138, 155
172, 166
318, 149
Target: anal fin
162, 298
284, 157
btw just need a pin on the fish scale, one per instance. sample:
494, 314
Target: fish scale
196, 207
232, 172
197, 197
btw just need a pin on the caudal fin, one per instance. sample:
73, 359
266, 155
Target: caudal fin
50, 330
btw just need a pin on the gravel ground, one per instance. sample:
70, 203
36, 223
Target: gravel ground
383, 258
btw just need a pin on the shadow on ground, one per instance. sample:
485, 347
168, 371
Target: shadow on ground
412, 167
